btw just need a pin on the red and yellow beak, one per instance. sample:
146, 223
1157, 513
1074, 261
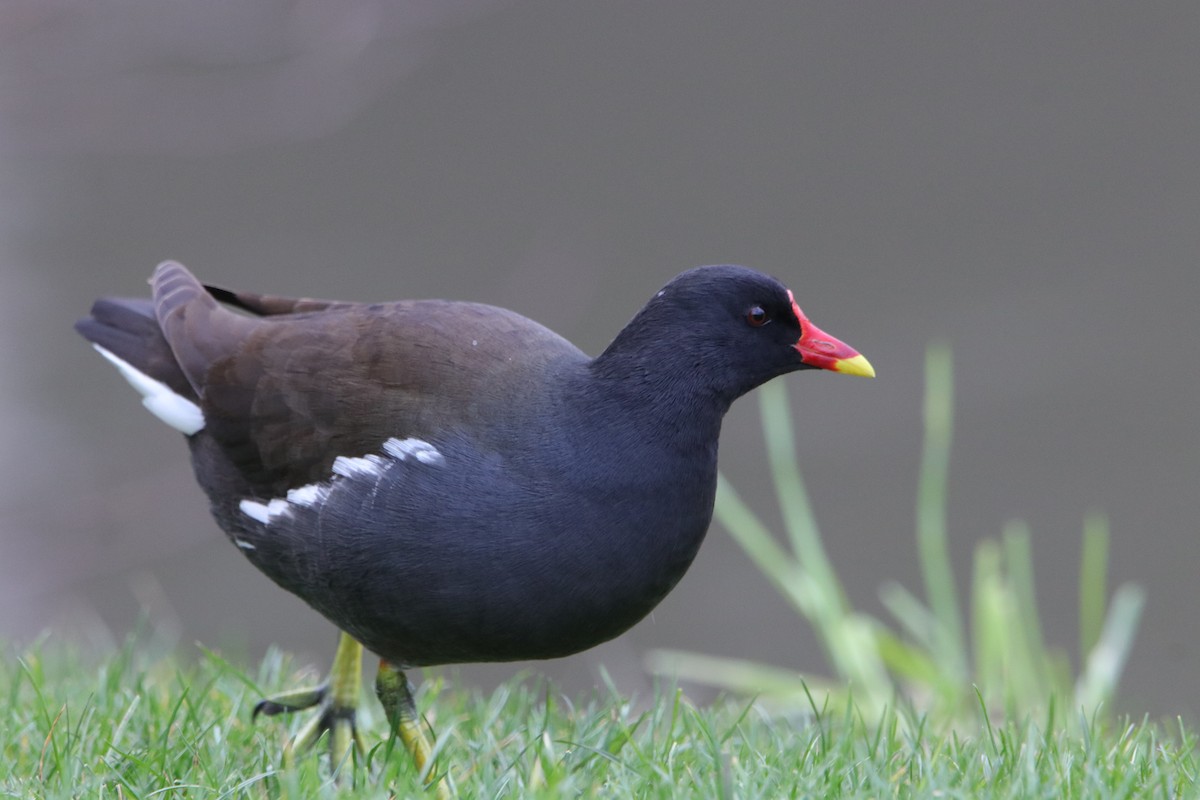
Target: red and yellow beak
818, 349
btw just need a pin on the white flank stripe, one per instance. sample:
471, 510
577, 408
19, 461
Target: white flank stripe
242, 543
177, 411
419, 449
310, 495
349, 466
315, 494
264, 512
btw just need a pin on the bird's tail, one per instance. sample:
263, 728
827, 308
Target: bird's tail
127, 333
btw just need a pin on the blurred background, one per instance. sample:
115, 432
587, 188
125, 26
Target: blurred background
1020, 181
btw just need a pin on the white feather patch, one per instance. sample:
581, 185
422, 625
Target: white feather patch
419, 449
175, 410
350, 466
266, 513
368, 467
311, 495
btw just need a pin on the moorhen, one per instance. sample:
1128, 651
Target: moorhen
451, 482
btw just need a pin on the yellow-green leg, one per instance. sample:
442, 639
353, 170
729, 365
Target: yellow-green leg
395, 694
336, 701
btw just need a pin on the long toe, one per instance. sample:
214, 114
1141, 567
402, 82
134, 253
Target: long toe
335, 703
340, 727
289, 702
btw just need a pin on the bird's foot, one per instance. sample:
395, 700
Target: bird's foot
336, 703
395, 694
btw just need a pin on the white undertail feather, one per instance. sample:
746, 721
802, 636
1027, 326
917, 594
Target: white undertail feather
172, 408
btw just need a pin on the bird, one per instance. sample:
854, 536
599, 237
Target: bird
451, 482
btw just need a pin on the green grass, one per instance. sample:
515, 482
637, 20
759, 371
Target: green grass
134, 726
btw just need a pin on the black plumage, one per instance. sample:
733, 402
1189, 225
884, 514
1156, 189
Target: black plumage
452, 482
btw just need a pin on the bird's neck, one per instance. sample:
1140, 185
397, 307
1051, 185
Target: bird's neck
659, 396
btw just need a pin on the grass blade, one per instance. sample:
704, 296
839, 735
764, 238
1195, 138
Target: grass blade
932, 545
1093, 582
798, 517
1107, 659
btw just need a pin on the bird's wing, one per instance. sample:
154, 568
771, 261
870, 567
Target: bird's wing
286, 392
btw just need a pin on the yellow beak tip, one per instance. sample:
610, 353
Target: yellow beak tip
858, 365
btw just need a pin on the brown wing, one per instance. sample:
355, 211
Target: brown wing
284, 394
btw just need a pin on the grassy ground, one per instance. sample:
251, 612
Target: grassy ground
132, 726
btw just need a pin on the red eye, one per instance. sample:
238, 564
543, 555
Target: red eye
757, 316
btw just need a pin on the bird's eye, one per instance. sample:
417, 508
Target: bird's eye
757, 316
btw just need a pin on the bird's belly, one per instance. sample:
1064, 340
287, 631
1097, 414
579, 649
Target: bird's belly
459, 560
536, 592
